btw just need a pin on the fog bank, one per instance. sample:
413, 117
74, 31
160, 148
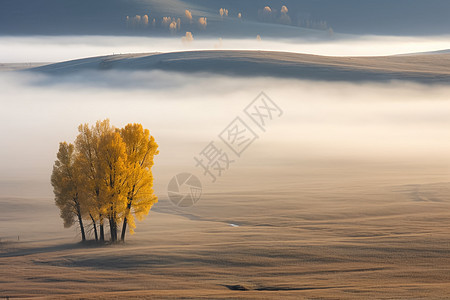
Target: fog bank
371, 132
60, 48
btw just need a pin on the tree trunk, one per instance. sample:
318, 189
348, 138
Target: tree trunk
124, 229
95, 227
100, 217
113, 229
124, 226
80, 220
102, 230
83, 235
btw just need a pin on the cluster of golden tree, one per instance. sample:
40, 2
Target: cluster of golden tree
104, 179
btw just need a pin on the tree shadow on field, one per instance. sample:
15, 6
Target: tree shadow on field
17, 249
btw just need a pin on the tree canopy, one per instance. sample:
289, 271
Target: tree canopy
105, 178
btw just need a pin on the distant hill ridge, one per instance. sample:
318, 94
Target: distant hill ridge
433, 68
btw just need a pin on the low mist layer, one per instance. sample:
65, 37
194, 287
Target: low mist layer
60, 48
397, 127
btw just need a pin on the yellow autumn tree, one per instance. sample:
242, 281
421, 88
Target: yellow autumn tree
87, 146
140, 149
110, 182
66, 186
113, 159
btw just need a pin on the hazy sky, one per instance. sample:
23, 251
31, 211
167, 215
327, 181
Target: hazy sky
106, 17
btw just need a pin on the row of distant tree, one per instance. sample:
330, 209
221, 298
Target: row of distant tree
104, 179
267, 14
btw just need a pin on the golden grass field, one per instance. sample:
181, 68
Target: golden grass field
321, 238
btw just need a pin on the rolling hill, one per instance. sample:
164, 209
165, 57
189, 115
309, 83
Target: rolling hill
432, 68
